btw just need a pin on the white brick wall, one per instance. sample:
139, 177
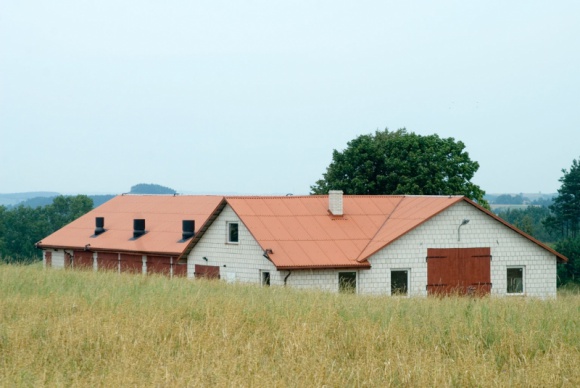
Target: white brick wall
244, 261
57, 258
241, 262
508, 248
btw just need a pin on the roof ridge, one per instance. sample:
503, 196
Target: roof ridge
379, 228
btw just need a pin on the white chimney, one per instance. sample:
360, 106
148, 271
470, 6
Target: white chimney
335, 202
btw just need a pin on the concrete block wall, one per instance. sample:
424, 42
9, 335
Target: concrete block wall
241, 262
326, 280
57, 258
508, 248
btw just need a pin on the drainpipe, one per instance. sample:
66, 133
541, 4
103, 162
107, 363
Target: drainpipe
286, 278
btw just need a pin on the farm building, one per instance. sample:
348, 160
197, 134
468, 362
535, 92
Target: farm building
404, 245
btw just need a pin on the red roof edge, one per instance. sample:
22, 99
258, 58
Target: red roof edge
416, 226
214, 214
365, 265
561, 257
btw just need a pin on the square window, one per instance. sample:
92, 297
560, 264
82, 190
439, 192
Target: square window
347, 282
515, 280
232, 228
399, 282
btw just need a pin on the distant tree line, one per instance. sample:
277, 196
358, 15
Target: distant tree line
23, 226
558, 223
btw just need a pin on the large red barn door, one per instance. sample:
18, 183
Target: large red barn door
207, 271
83, 260
458, 270
108, 261
131, 263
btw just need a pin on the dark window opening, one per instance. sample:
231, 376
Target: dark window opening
399, 282
233, 232
347, 282
515, 280
265, 278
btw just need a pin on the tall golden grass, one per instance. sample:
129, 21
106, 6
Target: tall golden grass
70, 328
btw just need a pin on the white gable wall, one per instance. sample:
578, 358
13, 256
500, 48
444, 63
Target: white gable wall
243, 261
508, 248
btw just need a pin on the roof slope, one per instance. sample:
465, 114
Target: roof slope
302, 234
162, 214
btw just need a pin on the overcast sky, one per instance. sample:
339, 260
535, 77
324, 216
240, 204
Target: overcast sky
251, 97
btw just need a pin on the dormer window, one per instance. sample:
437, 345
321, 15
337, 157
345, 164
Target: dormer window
232, 231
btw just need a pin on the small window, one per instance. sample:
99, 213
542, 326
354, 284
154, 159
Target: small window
515, 280
232, 232
347, 282
265, 278
399, 282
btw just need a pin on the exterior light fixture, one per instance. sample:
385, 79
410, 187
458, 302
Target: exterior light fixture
464, 222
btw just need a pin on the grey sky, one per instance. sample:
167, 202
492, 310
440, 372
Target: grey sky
252, 97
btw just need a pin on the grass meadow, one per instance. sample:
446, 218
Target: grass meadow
72, 328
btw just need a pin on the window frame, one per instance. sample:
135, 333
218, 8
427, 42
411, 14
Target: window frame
523, 269
344, 290
408, 271
228, 233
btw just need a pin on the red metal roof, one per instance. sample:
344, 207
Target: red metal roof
162, 214
299, 230
303, 234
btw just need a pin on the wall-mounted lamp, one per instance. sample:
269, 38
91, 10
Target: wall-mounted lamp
464, 222
205, 258
267, 253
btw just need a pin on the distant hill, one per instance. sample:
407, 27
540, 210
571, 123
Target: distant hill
98, 200
12, 199
43, 198
151, 188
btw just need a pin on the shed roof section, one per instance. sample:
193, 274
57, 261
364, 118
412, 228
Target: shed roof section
163, 222
302, 233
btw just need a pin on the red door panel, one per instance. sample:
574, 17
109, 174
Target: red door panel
83, 260
207, 271
107, 261
48, 257
180, 270
159, 265
131, 263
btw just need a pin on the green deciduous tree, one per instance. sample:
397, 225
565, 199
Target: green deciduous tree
23, 226
400, 162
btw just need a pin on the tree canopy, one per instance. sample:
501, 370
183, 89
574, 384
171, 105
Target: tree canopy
401, 162
23, 226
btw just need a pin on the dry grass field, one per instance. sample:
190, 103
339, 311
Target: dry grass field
67, 328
